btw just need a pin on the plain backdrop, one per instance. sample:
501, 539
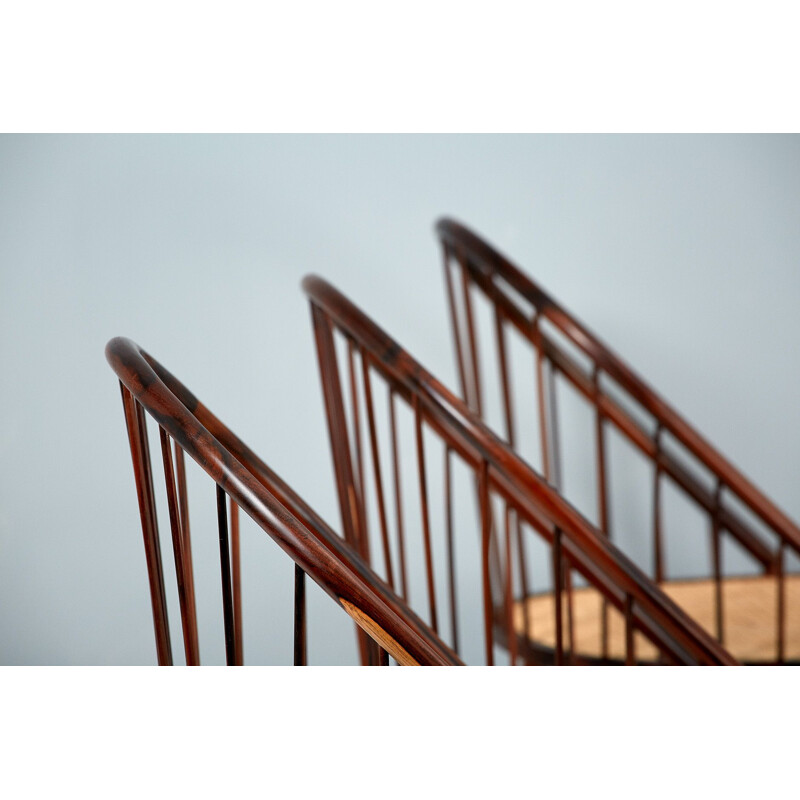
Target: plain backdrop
681, 252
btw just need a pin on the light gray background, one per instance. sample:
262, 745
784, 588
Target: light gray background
681, 252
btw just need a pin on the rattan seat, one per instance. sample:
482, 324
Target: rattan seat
749, 613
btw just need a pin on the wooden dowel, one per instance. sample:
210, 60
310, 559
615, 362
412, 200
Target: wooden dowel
451, 567
485, 572
225, 572
475, 402
509, 593
658, 554
189, 640
358, 478
376, 467
630, 645
349, 504
780, 645
716, 557
557, 592
137, 438
398, 498
426, 529
542, 402
183, 506
236, 560
299, 617
451, 300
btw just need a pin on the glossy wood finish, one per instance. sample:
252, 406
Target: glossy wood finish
499, 474
676, 450
241, 478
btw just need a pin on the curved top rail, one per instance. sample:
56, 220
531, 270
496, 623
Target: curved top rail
476, 440
271, 503
464, 243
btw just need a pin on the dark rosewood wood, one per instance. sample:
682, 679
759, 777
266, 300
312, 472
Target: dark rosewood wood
716, 560
137, 436
398, 500
485, 572
227, 582
187, 615
383, 618
376, 468
658, 548
630, 646
451, 548
502, 474
299, 617
186, 541
676, 449
426, 525
558, 584
236, 579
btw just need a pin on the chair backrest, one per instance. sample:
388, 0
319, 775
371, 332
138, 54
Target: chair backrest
563, 348
386, 624
527, 504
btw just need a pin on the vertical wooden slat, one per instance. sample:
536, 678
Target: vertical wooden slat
602, 498
716, 557
451, 567
542, 401
509, 591
658, 553
488, 622
189, 635
557, 594
630, 644
502, 358
426, 529
349, 505
376, 467
508, 410
475, 401
183, 506
527, 619
555, 466
552, 409
225, 572
137, 438
398, 497
780, 639
451, 299
236, 567
602, 484
360, 488
570, 608
299, 616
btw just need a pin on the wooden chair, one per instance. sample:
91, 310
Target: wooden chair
515, 508
750, 615
386, 624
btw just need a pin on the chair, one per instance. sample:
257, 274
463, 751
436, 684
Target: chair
749, 615
514, 509
387, 626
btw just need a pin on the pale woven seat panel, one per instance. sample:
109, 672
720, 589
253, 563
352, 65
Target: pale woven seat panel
749, 611
586, 625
